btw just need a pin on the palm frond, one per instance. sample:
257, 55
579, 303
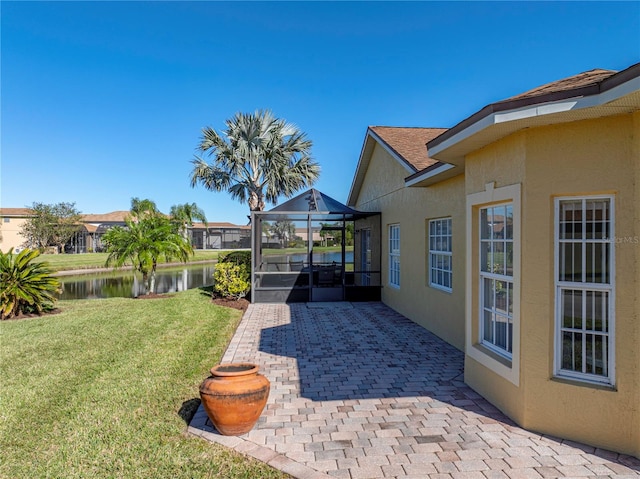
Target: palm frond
258, 156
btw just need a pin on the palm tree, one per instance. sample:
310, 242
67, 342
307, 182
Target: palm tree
258, 157
143, 243
140, 208
184, 215
284, 230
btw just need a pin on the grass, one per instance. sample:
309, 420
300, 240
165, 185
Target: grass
105, 389
62, 262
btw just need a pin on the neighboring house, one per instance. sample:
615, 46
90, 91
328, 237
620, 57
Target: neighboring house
220, 236
11, 221
515, 236
89, 238
317, 235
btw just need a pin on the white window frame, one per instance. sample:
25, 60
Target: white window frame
439, 255
394, 255
506, 283
508, 369
585, 287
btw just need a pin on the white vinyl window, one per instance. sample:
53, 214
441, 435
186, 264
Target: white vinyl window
394, 255
440, 258
496, 278
584, 284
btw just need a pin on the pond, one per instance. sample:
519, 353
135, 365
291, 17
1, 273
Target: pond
318, 258
126, 284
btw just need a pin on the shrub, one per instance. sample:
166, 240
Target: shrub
237, 257
231, 280
25, 286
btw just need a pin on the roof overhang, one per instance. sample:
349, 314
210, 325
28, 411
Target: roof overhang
433, 174
618, 94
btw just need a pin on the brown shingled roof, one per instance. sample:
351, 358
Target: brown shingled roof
588, 78
409, 143
113, 217
15, 212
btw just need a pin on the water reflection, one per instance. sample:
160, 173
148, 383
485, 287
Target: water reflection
126, 284
318, 258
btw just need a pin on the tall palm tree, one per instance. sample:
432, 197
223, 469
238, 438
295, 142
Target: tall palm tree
257, 158
184, 215
143, 243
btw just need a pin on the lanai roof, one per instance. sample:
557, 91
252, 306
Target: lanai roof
312, 202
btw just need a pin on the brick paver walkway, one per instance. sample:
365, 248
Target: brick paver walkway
358, 391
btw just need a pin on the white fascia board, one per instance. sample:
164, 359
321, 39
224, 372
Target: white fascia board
532, 111
429, 174
478, 126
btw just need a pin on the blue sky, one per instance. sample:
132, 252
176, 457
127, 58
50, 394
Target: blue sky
104, 101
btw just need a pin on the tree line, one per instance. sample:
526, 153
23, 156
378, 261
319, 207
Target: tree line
55, 225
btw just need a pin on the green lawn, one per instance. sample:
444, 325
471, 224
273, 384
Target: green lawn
61, 262
105, 389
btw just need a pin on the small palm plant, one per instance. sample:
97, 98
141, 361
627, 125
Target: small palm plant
143, 243
26, 286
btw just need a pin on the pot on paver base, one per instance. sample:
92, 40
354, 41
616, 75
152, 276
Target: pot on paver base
234, 397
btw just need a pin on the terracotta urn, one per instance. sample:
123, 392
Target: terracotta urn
234, 397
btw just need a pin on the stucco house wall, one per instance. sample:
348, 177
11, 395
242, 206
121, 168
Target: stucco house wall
11, 221
383, 190
549, 162
564, 160
574, 139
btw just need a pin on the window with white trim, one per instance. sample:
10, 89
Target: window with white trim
584, 288
496, 278
394, 255
440, 257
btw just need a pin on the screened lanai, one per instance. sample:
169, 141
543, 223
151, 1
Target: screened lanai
314, 248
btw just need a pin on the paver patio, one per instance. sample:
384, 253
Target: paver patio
358, 391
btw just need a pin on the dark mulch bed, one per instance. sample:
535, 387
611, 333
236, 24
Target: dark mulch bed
241, 304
